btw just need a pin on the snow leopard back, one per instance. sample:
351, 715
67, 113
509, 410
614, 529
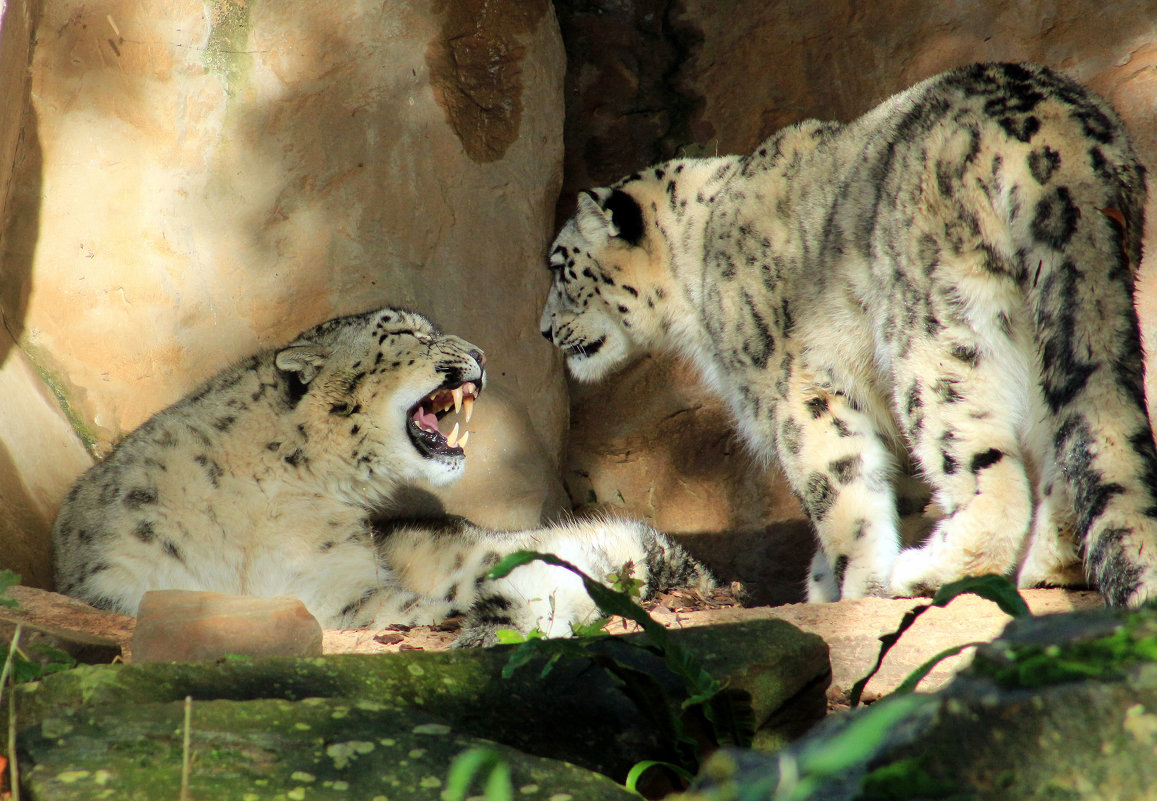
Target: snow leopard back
947, 280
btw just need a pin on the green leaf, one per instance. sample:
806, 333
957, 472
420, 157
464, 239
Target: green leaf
516, 559
917, 675
499, 786
549, 649
648, 695
886, 643
639, 768
997, 589
7, 579
592, 629
479, 761
509, 637
23, 669
732, 717
624, 581
850, 747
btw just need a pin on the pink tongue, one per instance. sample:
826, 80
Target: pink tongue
426, 420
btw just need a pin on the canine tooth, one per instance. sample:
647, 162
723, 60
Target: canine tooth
456, 394
462, 442
452, 440
468, 405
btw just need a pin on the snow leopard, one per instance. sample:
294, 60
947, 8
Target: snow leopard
942, 287
268, 479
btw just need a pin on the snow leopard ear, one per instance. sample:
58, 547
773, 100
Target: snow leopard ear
619, 216
592, 221
304, 358
626, 217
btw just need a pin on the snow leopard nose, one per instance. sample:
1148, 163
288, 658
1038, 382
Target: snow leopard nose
548, 334
478, 356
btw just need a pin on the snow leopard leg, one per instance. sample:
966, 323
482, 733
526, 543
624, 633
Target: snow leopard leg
1053, 557
448, 559
962, 413
835, 458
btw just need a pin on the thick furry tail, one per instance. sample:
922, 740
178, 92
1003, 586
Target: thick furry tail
1082, 217
553, 600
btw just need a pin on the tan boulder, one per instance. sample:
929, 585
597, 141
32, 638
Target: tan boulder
192, 182
184, 626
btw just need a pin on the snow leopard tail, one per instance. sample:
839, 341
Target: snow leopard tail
1075, 207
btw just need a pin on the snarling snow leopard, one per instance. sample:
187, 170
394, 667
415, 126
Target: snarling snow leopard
948, 280
266, 480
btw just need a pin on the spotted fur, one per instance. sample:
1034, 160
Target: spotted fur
266, 480
946, 282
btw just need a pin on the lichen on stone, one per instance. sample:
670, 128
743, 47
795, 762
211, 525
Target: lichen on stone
225, 54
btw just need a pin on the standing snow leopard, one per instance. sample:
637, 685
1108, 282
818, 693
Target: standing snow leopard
948, 279
264, 481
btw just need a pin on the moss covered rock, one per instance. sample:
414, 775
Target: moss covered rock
272, 749
267, 718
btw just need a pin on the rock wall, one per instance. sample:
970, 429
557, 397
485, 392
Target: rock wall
699, 77
183, 182
197, 180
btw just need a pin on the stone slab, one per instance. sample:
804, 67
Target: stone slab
183, 626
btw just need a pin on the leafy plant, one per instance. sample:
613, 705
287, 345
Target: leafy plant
727, 712
622, 581
997, 589
800, 776
804, 771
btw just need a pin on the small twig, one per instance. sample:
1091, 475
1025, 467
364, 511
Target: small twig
8, 661
185, 750
13, 774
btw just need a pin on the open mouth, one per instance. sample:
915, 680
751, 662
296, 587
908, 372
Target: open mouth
583, 351
425, 416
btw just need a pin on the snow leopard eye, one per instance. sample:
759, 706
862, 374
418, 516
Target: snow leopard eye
341, 409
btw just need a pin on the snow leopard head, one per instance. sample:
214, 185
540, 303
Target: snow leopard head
374, 389
601, 310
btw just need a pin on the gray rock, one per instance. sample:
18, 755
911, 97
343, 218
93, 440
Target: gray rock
1060, 707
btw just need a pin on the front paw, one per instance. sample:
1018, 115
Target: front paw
913, 573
